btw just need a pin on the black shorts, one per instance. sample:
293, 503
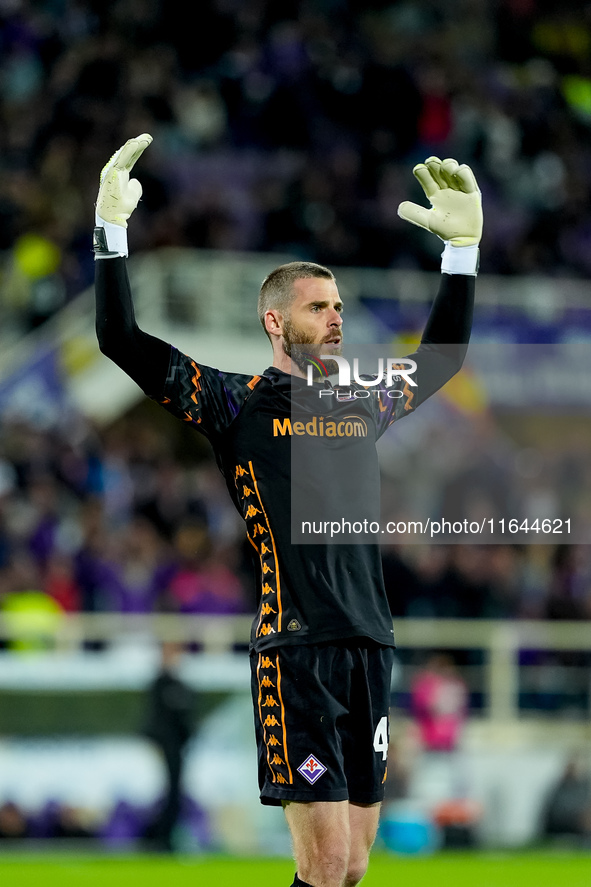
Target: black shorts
321, 720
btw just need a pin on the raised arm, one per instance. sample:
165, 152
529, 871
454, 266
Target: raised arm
143, 357
456, 217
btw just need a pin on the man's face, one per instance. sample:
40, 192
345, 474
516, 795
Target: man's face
314, 319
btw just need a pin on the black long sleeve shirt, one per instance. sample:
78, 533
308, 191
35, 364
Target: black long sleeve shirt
277, 445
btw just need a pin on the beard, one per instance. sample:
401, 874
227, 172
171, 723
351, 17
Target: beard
306, 351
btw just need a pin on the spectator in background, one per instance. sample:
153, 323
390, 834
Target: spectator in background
567, 811
13, 823
71, 822
31, 616
568, 596
169, 725
202, 579
136, 569
60, 582
439, 704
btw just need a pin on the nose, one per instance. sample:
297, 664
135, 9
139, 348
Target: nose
335, 319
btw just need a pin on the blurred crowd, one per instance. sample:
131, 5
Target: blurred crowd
113, 522
489, 581
123, 826
128, 519
291, 127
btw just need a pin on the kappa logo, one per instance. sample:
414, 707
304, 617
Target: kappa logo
270, 702
312, 769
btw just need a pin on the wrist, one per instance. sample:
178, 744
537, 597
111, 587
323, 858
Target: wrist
109, 240
460, 259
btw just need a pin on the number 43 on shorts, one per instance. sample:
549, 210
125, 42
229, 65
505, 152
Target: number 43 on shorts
380, 738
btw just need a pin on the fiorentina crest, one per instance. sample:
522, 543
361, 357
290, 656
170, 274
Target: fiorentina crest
311, 769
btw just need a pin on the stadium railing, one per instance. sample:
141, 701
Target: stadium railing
499, 680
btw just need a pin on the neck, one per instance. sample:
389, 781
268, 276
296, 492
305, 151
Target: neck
282, 361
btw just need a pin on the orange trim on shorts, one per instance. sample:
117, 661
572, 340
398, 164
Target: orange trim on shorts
283, 719
261, 714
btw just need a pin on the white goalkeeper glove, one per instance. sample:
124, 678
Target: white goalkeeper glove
117, 198
456, 213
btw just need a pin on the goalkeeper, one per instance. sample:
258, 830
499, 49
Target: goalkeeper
322, 642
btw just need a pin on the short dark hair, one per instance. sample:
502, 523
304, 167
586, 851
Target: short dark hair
277, 287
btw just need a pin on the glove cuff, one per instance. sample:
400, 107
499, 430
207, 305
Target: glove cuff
109, 240
460, 259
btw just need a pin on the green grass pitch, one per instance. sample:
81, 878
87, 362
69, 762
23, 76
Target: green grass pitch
444, 870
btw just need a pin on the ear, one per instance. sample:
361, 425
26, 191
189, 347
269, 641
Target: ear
274, 322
